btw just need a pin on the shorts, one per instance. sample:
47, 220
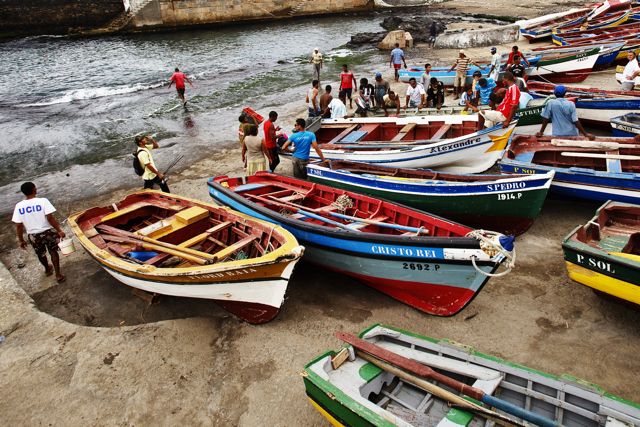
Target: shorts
180, 91
345, 93
460, 79
492, 117
46, 240
397, 66
299, 168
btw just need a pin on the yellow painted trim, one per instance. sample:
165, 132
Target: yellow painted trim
632, 257
500, 141
608, 285
325, 414
290, 246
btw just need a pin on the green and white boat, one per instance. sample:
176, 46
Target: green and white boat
353, 388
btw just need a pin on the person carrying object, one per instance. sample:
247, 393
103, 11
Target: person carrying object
35, 216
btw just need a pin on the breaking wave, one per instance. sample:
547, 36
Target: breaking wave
91, 93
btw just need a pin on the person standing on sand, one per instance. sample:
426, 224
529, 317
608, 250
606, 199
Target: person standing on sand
325, 99
563, 115
151, 175
312, 100
337, 109
35, 216
425, 78
433, 33
347, 84
494, 72
269, 128
317, 61
461, 66
254, 152
303, 141
396, 60
179, 77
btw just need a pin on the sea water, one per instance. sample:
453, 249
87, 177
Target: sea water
70, 108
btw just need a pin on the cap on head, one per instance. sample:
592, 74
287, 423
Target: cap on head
559, 90
461, 52
316, 49
378, 75
494, 50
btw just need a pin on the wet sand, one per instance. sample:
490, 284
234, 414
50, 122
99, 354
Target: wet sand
89, 352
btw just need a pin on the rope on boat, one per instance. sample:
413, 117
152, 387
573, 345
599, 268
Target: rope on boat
342, 203
490, 244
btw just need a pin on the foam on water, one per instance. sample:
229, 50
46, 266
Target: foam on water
91, 93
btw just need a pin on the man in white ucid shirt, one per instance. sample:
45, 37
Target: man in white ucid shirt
35, 216
416, 95
631, 71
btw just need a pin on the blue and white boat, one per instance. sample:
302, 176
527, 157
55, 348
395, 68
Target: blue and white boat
627, 125
425, 261
608, 52
600, 170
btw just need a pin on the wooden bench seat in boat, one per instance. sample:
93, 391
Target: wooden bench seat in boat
342, 134
404, 131
440, 132
203, 236
240, 244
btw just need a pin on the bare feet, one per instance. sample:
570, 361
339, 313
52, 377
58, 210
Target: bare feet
49, 270
60, 278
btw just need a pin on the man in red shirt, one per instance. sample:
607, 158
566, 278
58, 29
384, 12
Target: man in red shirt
515, 52
270, 129
507, 109
347, 84
179, 77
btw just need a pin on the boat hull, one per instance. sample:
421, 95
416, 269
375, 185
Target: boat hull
437, 280
473, 153
627, 125
251, 288
509, 207
569, 69
583, 184
344, 392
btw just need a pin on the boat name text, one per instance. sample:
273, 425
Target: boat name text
595, 263
420, 253
454, 145
231, 273
506, 186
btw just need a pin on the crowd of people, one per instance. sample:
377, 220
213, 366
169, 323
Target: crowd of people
260, 148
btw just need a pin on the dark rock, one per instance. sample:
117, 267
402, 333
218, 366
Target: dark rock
418, 26
366, 38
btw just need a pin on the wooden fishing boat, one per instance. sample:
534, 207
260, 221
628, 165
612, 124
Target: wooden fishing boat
449, 143
171, 245
627, 125
566, 68
604, 254
609, 6
542, 30
598, 35
391, 377
604, 169
595, 107
430, 263
606, 21
505, 203
608, 52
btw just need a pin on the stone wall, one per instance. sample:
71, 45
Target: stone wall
169, 13
23, 17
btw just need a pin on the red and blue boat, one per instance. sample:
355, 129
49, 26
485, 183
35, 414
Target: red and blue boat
430, 263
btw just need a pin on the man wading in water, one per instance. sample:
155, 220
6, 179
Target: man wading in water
35, 215
179, 77
151, 174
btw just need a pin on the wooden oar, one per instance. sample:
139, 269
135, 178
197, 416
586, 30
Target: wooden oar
426, 372
440, 392
600, 156
591, 144
381, 224
152, 247
117, 232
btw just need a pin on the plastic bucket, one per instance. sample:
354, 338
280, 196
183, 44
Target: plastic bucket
66, 246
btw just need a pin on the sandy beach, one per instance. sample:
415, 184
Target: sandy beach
88, 352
